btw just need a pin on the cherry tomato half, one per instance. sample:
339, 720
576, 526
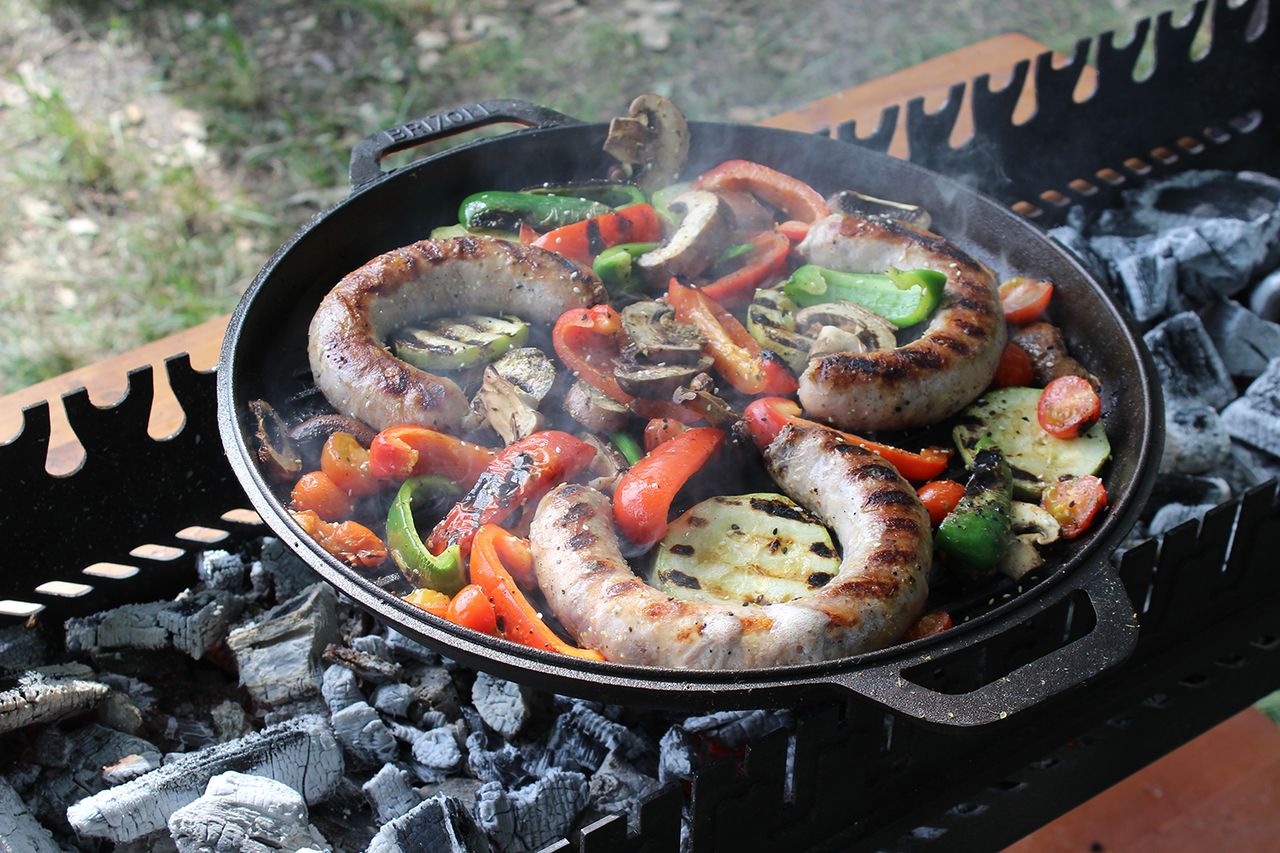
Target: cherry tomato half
1024, 299
346, 462
1015, 369
1075, 502
318, 493
928, 625
1068, 406
471, 608
431, 600
659, 430
940, 497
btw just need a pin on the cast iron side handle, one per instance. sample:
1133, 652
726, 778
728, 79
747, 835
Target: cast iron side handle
366, 157
1110, 641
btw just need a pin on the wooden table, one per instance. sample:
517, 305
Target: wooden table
1221, 791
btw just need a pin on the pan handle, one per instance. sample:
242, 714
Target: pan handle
1111, 640
366, 157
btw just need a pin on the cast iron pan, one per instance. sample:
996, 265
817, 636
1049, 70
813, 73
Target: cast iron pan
264, 356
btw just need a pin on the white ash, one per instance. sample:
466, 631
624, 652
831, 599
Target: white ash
1245, 341
1195, 438
1255, 417
504, 765
240, 813
229, 720
261, 584
130, 767
525, 819
369, 667
20, 831
363, 734
677, 755
407, 648
301, 753
438, 749
222, 570
289, 574
193, 623
1187, 362
737, 728
22, 648
278, 653
118, 712
433, 686
461, 788
372, 644
339, 687
437, 825
582, 737
1265, 298
310, 706
390, 794
503, 705
393, 699
618, 787
34, 697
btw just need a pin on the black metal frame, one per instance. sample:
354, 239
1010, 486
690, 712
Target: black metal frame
1210, 630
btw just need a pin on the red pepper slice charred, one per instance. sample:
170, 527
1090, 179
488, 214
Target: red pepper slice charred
644, 494
400, 452
791, 195
768, 257
583, 240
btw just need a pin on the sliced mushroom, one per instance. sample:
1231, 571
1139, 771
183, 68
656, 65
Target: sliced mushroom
700, 395
696, 244
845, 327
657, 381
654, 333
1031, 526
594, 409
748, 213
530, 370
848, 201
1049, 354
655, 138
309, 436
511, 412
606, 467
276, 451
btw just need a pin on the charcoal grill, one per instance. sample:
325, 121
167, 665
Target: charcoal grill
1210, 631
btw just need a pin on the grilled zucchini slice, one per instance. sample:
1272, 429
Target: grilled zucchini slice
745, 549
456, 343
1008, 417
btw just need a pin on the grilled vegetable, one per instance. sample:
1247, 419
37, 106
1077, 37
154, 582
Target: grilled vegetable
771, 321
745, 549
506, 210
471, 608
1030, 526
612, 193
792, 196
940, 498
1048, 351
276, 450
529, 369
455, 343
400, 452
903, 297
1008, 417
845, 327
644, 495
1075, 502
848, 201
662, 200
928, 625
443, 573
653, 332
346, 463
1015, 369
657, 381
511, 412
1067, 406
582, 241
1025, 299
627, 446
767, 259
974, 535
615, 264
697, 242
594, 409
349, 541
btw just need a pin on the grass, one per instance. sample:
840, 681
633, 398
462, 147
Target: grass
276, 94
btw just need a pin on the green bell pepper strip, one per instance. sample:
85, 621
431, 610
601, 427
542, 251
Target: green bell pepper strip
627, 446
612, 193
975, 534
731, 252
444, 573
446, 231
506, 210
903, 297
614, 264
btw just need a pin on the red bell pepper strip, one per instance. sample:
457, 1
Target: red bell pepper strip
659, 430
794, 230
583, 240
517, 620
768, 257
527, 234
588, 340
400, 452
520, 473
767, 416
738, 357
791, 195
644, 494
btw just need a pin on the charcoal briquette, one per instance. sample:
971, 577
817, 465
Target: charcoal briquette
245, 813
524, 819
229, 720
339, 687
393, 699
619, 788
1170, 516
118, 712
503, 764
22, 647
372, 644
88, 750
363, 733
1264, 300
130, 767
301, 753
20, 831
1245, 341
581, 738
1196, 440
278, 654
438, 749
1188, 363
736, 728
369, 667
390, 794
433, 686
1074, 241
1255, 417
502, 704
34, 697
193, 623
1190, 489
289, 574
677, 755
219, 569
437, 825
1254, 466
406, 648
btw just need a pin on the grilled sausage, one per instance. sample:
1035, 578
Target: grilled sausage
928, 379
878, 592
431, 278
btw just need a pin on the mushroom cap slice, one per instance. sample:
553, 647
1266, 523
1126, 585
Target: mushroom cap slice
696, 244
845, 327
654, 137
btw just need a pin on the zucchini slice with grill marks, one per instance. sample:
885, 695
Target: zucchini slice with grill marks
771, 320
745, 549
1008, 417
456, 343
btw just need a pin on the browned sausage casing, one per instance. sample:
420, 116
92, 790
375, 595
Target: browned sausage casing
928, 379
878, 592
431, 278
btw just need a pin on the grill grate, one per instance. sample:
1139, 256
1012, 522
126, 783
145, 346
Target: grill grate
1210, 633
